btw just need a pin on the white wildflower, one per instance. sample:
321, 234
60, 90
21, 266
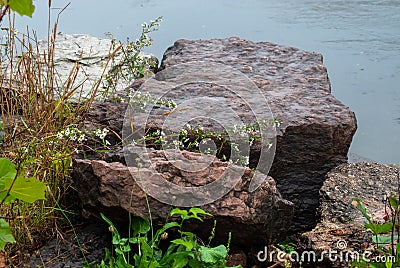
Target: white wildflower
82, 138
251, 142
101, 133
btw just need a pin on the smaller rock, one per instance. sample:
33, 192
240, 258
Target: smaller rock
237, 259
256, 218
341, 224
92, 53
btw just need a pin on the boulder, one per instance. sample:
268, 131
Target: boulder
341, 224
316, 129
92, 54
254, 219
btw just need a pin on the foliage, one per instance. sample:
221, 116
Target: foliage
14, 186
36, 114
132, 64
385, 235
196, 139
183, 251
22, 7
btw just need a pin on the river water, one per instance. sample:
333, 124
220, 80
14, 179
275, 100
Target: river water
360, 41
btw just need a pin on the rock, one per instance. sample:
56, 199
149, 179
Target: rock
317, 129
341, 224
92, 53
253, 218
86, 244
370, 182
235, 259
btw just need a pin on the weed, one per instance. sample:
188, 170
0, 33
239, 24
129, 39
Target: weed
385, 235
184, 251
40, 130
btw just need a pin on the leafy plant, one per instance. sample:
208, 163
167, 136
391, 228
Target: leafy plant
14, 186
196, 139
385, 235
22, 7
131, 63
184, 251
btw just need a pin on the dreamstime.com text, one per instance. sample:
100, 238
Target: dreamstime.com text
338, 254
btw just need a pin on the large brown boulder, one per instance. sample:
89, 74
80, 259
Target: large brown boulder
253, 218
316, 129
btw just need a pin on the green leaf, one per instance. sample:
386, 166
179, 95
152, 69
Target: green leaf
7, 169
5, 234
178, 259
362, 209
178, 211
213, 255
394, 201
195, 211
187, 244
26, 189
380, 228
163, 229
140, 225
22, 7
398, 251
383, 240
389, 264
115, 234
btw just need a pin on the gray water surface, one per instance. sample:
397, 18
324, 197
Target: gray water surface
360, 41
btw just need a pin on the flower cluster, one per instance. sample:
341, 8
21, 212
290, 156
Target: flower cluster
145, 98
101, 133
72, 134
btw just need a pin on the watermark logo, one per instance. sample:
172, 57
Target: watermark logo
205, 94
338, 254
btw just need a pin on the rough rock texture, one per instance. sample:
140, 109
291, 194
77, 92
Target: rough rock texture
91, 52
86, 244
253, 218
317, 129
340, 220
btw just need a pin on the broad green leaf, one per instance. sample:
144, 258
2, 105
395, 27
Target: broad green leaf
389, 264
133, 240
180, 261
187, 244
189, 235
383, 239
26, 189
5, 234
22, 7
9, 198
140, 225
178, 211
7, 169
394, 201
196, 211
377, 228
213, 255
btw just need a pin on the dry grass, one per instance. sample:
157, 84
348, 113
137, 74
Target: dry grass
35, 108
